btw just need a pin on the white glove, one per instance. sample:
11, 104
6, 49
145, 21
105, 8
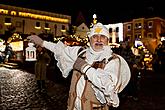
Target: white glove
35, 39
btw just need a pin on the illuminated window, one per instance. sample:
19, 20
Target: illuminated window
47, 26
7, 21
139, 25
38, 25
150, 24
63, 28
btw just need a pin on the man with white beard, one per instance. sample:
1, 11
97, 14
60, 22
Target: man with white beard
98, 74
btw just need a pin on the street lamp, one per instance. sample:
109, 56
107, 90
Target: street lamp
94, 19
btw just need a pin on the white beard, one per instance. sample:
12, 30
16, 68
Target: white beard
93, 56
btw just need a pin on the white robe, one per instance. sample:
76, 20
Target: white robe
104, 79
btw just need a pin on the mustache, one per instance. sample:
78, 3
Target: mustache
99, 43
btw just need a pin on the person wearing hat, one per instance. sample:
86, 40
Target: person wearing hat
96, 79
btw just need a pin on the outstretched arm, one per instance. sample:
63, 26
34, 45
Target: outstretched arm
35, 39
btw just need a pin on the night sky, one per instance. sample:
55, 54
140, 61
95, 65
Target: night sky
107, 11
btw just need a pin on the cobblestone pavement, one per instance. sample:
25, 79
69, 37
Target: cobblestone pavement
18, 91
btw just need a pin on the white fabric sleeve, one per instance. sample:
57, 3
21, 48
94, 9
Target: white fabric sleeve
56, 48
65, 55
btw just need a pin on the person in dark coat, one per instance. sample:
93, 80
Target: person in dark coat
8, 52
43, 60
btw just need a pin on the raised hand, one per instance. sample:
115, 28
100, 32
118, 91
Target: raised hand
35, 39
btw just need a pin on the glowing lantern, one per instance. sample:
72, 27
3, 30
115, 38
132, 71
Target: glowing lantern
30, 52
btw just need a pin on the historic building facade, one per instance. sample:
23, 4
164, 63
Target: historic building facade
144, 29
29, 21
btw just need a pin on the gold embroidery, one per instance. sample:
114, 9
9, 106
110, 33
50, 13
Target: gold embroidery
98, 30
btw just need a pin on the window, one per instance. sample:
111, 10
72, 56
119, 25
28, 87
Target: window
117, 40
38, 25
129, 27
7, 21
110, 30
150, 24
63, 28
139, 25
47, 26
117, 29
